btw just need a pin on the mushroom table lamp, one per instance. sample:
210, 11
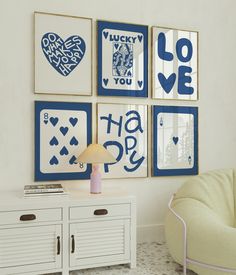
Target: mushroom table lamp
95, 154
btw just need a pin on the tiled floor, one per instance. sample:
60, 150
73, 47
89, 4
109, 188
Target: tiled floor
152, 259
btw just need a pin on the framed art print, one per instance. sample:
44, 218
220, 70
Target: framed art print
63, 54
62, 131
122, 59
175, 141
174, 64
122, 129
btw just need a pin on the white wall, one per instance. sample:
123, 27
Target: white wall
215, 21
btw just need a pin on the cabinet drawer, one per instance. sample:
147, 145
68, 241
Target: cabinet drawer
96, 211
30, 216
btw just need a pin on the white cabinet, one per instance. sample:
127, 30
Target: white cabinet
61, 234
100, 234
99, 242
30, 248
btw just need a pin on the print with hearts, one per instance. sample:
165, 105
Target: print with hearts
63, 55
62, 131
122, 59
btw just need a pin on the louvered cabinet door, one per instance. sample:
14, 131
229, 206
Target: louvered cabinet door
30, 249
98, 243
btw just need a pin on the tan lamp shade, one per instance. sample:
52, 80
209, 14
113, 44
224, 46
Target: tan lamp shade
95, 153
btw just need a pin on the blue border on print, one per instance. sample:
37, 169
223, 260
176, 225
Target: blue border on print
174, 109
126, 27
41, 105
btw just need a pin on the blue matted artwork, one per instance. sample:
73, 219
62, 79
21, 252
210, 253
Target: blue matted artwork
175, 141
62, 131
122, 59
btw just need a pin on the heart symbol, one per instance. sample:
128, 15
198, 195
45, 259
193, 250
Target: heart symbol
140, 38
72, 160
64, 130
140, 83
105, 34
54, 120
54, 141
116, 46
167, 83
175, 140
73, 121
53, 161
64, 56
105, 81
74, 141
64, 151
45, 121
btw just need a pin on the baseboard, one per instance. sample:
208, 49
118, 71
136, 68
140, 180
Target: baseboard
150, 233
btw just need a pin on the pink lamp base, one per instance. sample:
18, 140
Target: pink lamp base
95, 180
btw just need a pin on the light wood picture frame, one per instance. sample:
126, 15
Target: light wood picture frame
63, 54
123, 130
174, 64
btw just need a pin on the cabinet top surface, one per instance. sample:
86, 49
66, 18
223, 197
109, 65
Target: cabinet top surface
75, 196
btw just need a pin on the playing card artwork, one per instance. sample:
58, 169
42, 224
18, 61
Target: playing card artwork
63, 58
62, 132
175, 146
122, 129
175, 64
122, 59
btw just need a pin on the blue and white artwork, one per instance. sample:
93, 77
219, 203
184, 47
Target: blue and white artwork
63, 54
175, 141
122, 59
175, 64
122, 63
62, 131
122, 129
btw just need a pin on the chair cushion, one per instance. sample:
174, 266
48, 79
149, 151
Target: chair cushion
215, 190
206, 203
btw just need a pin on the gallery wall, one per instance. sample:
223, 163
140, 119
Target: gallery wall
215, 21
